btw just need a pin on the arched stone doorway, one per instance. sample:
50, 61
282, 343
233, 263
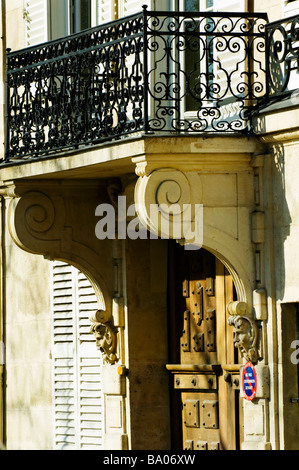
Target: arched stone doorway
204, 362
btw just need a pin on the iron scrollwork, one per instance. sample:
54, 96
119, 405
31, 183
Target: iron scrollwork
151, 72
201, 64
80, 90
282, 53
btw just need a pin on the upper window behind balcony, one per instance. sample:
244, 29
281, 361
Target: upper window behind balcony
36, 22
80, 15
52, 19
68, 17
213, 5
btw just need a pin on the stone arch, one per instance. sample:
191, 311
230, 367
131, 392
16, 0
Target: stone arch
93, 279
232, 263
183, 188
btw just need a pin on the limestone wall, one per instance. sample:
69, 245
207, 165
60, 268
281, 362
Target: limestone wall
281, 172
28, 344
286, 236
26, 305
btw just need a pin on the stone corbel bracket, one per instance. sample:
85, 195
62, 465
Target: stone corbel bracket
245, 331
166, 202
56, 219
105, 334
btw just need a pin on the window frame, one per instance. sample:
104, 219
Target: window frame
229, 106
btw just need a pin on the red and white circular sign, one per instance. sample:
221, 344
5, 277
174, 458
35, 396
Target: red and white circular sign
249, 382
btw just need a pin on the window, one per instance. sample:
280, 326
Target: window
76, 363
102, 12
68, 17
213, 71
200, 71
52, 19
80, 15
36, 22
128, 7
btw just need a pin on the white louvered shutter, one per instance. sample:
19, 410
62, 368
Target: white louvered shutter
64, 357
77, 387
36, 22
101, 12
129, 7
89, 370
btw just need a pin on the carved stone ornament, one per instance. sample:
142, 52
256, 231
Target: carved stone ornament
41, 220
105, 335
245, 331
168, 203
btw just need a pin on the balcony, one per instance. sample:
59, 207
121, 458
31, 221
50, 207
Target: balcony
282, 57
153, 73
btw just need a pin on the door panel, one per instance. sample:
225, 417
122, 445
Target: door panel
204, 364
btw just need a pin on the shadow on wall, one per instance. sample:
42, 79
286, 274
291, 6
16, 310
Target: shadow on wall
281, 218
275, 193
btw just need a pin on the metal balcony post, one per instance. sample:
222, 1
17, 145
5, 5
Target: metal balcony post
145, 71
7, 96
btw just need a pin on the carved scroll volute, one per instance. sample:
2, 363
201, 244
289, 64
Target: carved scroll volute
31, 219
105, 334
245, 331
163, 199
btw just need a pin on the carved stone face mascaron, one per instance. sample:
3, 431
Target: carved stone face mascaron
245, 331
105, 340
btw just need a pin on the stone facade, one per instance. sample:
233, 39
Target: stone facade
247, 187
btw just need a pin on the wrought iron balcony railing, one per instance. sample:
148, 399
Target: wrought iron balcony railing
153, 73
282, 56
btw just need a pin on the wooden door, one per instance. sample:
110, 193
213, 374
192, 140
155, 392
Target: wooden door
204, 364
